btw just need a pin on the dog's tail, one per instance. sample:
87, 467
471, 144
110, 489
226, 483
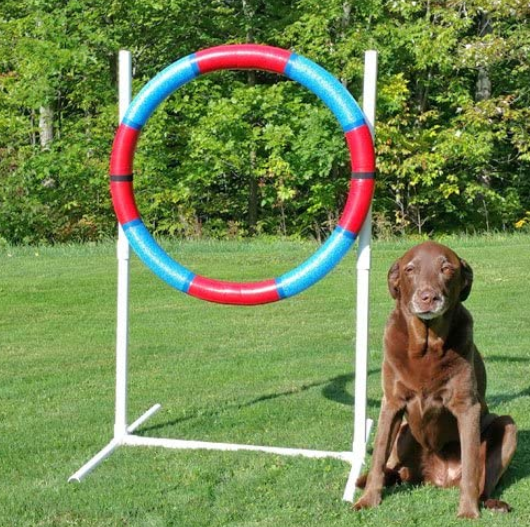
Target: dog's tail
361, 481
392, 477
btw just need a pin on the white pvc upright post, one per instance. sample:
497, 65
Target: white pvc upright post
364, 264
122, 431
362, 424
123, 254
122, 325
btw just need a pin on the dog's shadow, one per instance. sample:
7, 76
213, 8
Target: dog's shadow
339, 389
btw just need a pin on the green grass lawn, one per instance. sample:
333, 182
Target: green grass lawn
279, 375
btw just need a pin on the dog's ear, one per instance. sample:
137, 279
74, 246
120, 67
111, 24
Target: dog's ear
467, 279
393, 280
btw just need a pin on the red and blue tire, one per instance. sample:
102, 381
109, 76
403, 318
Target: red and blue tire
245, 56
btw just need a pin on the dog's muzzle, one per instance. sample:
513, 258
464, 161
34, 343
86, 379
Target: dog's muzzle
428, 304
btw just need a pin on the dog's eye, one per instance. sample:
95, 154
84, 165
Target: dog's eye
448, 269
409, 269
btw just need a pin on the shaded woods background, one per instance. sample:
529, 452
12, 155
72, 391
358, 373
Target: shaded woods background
241, 153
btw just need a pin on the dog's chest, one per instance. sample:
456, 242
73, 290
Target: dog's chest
431, 423
426, 407
424, 385
424, 378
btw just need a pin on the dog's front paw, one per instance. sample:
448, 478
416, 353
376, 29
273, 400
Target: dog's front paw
469, 511
368, 500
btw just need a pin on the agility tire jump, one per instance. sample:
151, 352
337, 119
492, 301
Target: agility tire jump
245, 56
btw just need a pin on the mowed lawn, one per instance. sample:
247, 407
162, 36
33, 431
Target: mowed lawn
278, 375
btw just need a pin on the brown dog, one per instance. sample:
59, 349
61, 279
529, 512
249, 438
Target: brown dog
434, 376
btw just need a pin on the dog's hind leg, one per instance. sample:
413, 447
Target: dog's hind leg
499, 441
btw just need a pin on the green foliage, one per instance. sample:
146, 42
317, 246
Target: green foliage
238, 153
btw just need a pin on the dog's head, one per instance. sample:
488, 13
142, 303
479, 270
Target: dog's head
429, 279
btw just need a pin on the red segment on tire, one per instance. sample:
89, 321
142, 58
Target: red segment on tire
124, 203
357, 204
121, 159
233, 292
243, 57
361, 149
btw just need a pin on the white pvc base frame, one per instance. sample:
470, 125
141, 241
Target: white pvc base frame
123, 433
355, 457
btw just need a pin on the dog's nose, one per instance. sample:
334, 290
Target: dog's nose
428, 296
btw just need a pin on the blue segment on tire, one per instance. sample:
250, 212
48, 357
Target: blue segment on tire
155, 258
318, 265
158, 89
328, 89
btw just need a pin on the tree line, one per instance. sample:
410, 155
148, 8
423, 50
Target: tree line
235, 154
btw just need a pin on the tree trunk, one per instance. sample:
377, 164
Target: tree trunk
483, 93
46, 126
483, 86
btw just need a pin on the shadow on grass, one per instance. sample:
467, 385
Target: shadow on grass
334, 389
505, 358
496, 400
337, 389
